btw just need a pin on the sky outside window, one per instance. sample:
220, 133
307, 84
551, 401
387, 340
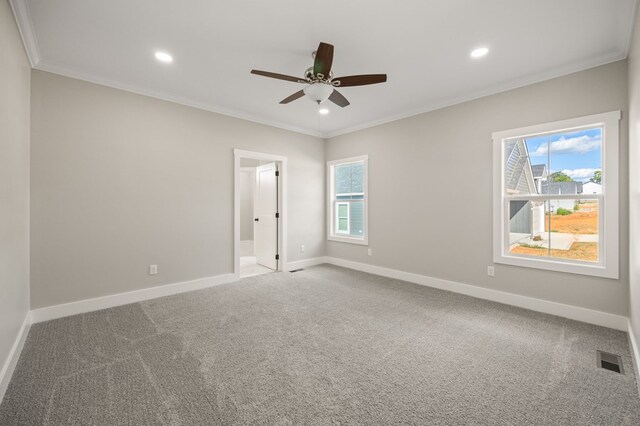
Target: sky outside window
577, 154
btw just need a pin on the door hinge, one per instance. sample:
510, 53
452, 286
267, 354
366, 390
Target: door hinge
277, 215
277, 257
277, 173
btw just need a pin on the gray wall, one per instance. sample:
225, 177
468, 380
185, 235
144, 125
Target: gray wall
121, 181
14, 181
634, 178
247, 184
431, 187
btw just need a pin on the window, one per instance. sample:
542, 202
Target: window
347, 204
556, 196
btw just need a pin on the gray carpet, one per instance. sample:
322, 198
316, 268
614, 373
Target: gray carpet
321, 346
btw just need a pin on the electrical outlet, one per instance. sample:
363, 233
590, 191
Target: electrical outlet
491, 271
302, 248
369, 252
153, 269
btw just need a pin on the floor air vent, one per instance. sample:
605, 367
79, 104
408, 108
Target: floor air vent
296, 270
609, 362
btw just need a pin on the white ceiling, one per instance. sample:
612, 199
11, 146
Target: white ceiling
423, 46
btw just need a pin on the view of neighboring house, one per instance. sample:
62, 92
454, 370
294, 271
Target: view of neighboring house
562, 188
525, 217
591, 188
540, 175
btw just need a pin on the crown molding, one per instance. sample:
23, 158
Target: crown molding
44, 65
25, 27
504, 87
29, 39
47, 66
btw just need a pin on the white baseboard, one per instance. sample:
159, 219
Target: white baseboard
305, 263
14, 354
81, 306
635, 353
104, 302
590, 316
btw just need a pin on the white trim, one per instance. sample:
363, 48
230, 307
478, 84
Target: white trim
80, 75
351, 240
44, 65
499, 88
104, 302
629, 36
305, 263
14, 354
608, 265
559, 126
27, 33
330, 214
590, 316
25, 26
635, 352
282, 204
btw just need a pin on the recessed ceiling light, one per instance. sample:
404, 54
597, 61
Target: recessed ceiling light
164, 57
324, 111
479, 52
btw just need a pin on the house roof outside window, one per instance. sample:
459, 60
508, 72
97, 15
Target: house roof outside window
562, 188
539, 171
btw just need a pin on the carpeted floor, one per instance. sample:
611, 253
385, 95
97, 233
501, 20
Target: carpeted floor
321, 346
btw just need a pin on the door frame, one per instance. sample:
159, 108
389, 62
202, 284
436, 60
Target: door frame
281, 162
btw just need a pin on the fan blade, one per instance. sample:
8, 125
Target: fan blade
337, 98
293, 97
278, 76
360, 80
323, 60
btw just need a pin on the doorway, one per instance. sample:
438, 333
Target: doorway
259, 218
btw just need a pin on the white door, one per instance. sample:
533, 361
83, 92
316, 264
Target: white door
266, 223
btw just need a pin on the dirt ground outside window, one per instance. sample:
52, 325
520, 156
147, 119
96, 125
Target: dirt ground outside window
582, 223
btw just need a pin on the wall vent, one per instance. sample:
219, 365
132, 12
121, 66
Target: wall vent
609, 361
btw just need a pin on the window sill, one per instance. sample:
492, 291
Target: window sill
352, 240
593, 270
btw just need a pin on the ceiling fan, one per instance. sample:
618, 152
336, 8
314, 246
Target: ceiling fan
320, 81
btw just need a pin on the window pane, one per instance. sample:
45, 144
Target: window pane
343, 210
527, 228
518, 171
357, 177
575, 160
574, 229
349, 180
343, 224
343, 179
356, 219
537, 147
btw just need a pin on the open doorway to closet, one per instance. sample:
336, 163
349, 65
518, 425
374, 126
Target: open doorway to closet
260, 200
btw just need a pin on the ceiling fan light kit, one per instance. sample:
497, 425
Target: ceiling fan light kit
320, 81
318, 92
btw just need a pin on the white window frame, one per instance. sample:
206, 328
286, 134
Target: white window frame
332, 202
608, 227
